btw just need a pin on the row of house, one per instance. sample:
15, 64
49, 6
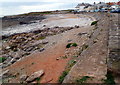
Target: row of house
98, 6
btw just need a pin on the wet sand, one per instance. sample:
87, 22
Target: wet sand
61, 20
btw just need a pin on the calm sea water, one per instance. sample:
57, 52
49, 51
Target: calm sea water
13, 8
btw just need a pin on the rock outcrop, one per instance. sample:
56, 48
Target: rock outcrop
23, 44
35, 75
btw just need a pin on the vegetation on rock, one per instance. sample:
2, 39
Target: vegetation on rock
2, 59
110, 78
71, 45
61, 78
82, 80
94, 23
71, 63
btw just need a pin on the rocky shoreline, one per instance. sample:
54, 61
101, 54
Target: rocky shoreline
9, 21
46, 51
17, 46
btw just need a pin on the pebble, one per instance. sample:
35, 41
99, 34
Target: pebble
57, 58
69, 40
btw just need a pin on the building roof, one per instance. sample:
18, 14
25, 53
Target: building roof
100, 4
113, 3
83, 4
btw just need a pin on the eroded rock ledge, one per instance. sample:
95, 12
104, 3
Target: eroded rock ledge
19, 45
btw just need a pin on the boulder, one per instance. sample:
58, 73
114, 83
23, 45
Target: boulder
21, 23
23, 77
13, 60
29, 38
76, 26
29, 49
8, 47
35, 75
50, 33
71, 28
4, 74
57, 58
56, 27
69, 40
41, 49
83, 33
44, 25
37, 31
44, 42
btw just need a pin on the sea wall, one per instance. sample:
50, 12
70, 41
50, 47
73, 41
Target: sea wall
114, 44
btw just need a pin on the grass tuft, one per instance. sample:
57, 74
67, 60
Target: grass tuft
61, 78
71, 63
71, 45
68, 45
64, 74
82, 80
94, 23
2, 59
74, 44
40, 38
110, 79
64, 57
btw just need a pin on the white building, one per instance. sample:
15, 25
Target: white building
82, 6
114, 6
100, 5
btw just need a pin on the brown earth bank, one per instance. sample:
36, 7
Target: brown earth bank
63, 54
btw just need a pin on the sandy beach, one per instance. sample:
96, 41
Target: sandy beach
61, 20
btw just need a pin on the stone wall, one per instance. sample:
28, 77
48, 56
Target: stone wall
114, 43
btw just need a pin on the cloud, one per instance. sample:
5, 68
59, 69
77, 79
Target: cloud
59, 1
29, 0
44, 7
32, 8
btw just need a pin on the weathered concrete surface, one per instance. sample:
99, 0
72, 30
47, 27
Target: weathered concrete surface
114, 44
92, 61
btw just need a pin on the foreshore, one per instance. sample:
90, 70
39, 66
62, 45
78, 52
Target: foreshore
45, 48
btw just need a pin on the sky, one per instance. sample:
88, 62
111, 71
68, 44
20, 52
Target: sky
13, 7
